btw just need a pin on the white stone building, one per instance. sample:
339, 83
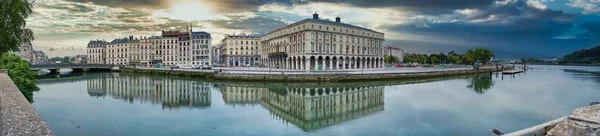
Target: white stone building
117, 51
395, 51
239, 50
316, 44
96, 52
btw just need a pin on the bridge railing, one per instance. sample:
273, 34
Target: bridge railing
69, 65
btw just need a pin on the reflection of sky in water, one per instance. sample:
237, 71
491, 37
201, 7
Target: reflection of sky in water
445, 107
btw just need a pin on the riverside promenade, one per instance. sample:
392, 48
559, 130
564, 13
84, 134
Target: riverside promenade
17, 116
284, 75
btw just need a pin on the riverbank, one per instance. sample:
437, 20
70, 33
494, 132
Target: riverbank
316, 76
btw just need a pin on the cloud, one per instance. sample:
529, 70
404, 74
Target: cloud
592, 30
429, 7
257, 25
589, 6
512, 28
153, 4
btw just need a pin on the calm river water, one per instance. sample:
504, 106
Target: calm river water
121, 104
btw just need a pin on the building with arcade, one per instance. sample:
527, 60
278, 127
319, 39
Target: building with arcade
318, 44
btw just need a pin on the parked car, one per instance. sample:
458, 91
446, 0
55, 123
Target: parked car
196, 67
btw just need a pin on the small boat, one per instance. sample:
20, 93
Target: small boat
594, 103
515, 71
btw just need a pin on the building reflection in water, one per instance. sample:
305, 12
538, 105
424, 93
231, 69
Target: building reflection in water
170, 93
310, 108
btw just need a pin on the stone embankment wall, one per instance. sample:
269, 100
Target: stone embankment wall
310, 77
17, 116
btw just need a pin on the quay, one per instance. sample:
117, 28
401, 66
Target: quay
280, 75
17, 115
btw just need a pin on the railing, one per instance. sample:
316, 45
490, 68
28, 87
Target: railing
71, 65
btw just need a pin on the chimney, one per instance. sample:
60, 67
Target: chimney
338, 19
131, 38
315, 16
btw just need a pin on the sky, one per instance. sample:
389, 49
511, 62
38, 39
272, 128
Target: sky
510, 28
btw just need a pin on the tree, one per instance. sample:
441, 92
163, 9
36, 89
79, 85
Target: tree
468, 58
433, 59
585, 56
454, 59
443, 57
12, 26
18, 70
390, 59
422, 59
483, 55
452, 53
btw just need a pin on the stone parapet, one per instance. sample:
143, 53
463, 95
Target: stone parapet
17, 115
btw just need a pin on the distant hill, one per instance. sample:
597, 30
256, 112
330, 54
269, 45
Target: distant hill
585, 56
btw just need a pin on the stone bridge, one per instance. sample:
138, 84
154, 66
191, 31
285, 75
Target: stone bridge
76, 67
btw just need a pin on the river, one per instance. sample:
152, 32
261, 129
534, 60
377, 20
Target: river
127, 104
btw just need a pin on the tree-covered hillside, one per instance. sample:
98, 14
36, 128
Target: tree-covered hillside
585, 56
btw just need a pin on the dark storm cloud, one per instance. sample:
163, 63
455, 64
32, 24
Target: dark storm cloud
592, 30
517, 30
520, 9
420, 6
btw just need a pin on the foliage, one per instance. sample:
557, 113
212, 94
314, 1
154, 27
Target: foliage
481, 84
468, 58
482, 54
434, 60
390, 59
18, 70
12, 24
536, 61
454, 59
585, 56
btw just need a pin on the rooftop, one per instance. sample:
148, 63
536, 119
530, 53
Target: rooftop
241, 35
327, 22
